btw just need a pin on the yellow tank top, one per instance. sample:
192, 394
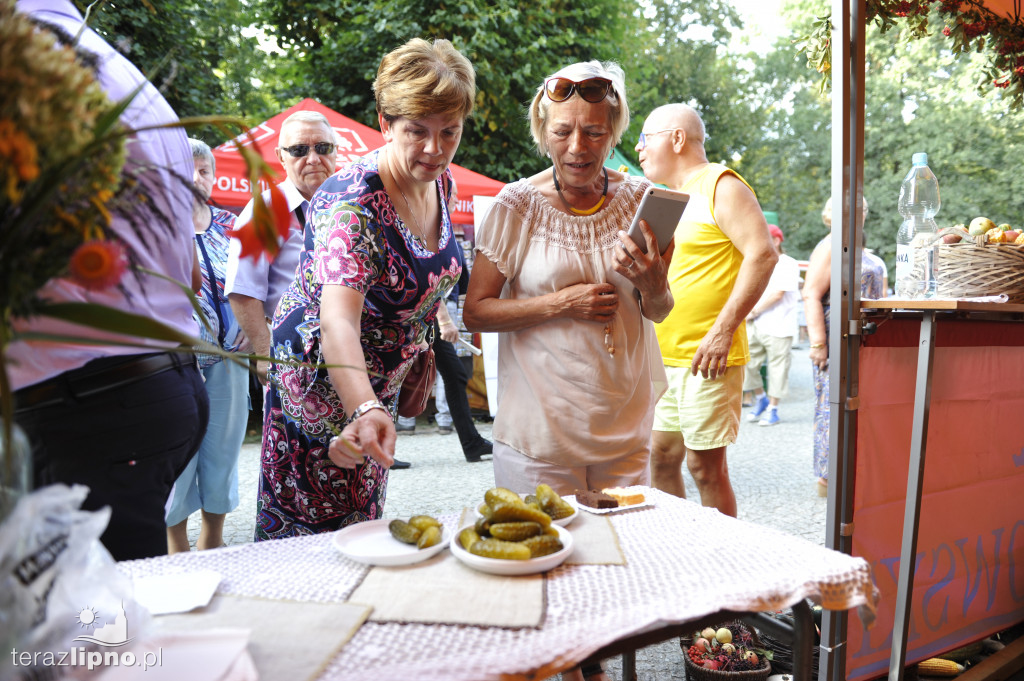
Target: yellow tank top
702, 275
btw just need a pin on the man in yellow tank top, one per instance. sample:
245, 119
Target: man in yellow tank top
723, 259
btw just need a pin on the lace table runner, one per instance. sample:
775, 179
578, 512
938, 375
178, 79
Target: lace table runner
683, 562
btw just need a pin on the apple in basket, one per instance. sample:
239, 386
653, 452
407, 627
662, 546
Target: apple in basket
1010, 236
980, 225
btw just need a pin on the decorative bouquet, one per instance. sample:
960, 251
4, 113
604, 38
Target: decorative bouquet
62, 181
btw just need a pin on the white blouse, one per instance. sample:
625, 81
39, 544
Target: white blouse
562, 398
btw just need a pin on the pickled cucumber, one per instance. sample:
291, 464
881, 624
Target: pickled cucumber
542, 545
546, 495
515, 531
422, 522
404, 532
496, 548
552, 504
468, 537
482, 526
429, 537
496, 495
504, 512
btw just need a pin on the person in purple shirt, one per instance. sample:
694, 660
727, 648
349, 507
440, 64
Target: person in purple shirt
120, 421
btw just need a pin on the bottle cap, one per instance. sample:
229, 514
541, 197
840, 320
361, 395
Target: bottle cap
920, 159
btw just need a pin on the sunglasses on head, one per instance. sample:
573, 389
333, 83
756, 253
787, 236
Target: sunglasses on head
591, 90
302, 150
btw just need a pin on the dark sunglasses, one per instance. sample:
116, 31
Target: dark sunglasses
591, 90
302, 150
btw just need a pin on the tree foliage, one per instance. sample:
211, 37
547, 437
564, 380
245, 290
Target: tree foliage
918, 98
513, 46
196, 52
765, 114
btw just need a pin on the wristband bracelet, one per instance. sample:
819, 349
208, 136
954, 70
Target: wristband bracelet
369, 405
815, 346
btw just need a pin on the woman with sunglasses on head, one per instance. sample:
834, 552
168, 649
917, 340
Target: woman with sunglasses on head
573, 298
379, 257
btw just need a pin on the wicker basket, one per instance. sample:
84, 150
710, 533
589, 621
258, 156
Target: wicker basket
967, 270
695, 673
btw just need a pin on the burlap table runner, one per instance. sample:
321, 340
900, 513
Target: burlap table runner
288, 640
444, 591
594, 541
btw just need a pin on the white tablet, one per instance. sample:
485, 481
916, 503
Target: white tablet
662, 208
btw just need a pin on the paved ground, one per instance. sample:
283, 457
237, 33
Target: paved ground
770, 469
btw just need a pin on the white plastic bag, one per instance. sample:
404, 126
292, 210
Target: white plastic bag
62, 599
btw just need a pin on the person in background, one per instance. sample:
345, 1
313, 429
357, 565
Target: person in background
771, 327
379, 257
210, 481
724, 258
874, 282
121, 421
307, 148
452, 386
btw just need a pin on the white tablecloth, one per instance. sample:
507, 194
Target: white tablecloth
683, 562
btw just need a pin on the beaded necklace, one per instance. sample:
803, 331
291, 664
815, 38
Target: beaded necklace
588, 211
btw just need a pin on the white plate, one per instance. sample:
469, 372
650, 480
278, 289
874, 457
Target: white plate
371, 542
601, 511
497, 566
561, 521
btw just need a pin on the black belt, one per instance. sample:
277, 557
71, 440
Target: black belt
98, 376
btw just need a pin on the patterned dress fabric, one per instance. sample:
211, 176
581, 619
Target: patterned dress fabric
353, 238
872, 279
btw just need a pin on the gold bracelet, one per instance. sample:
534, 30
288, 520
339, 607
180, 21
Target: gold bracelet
815, 346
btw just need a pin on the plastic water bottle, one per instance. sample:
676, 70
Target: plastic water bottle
915, 242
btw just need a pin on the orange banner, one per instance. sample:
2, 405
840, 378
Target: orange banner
969, 574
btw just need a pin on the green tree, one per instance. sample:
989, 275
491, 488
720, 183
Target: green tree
918, 98
197, 54
337, 47
682, 56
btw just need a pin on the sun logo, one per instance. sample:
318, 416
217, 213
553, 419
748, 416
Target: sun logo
88, 617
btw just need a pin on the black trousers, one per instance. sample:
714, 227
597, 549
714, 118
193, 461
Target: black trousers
449, 365
124, 429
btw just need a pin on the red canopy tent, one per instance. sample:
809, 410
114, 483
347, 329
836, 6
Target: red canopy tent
354, 140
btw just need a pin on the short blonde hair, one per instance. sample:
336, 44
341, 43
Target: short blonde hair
421, 79
618, 109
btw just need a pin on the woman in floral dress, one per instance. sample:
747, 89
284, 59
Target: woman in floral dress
380, 255
874, 282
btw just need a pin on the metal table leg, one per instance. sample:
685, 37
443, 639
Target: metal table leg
800, 634
912, 510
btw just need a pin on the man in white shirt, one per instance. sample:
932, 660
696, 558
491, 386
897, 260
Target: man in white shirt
771, 326
307, 148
